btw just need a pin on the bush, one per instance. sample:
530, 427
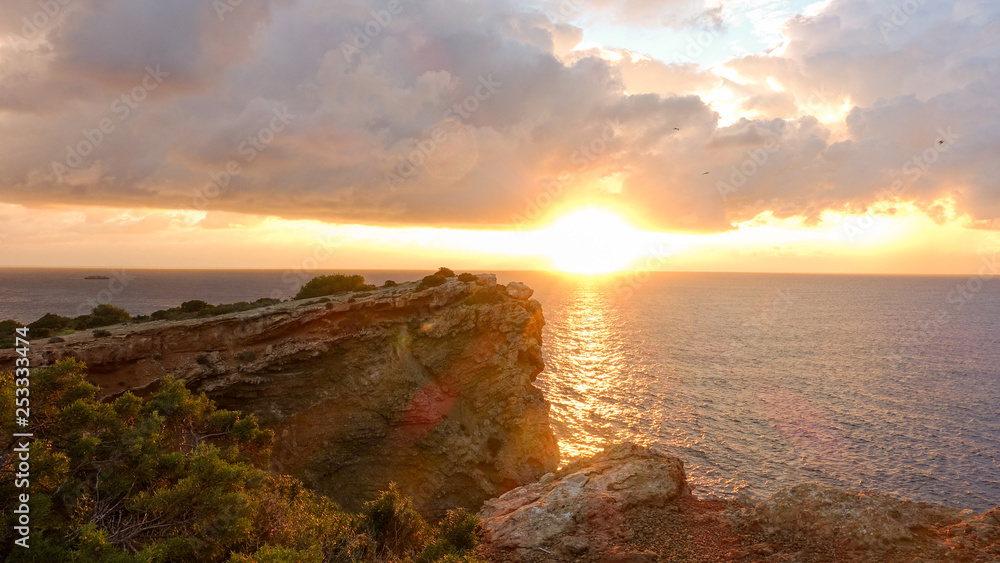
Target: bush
173, 478
328, 285
389, 283
194, 306
57, 340
455, 535
432, 280
7, 335
394, 524
105, 315
444, 272
51, 322
101, 333
467, 277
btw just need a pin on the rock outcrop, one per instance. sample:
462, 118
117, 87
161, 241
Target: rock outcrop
631, 503
430, 388
583, 509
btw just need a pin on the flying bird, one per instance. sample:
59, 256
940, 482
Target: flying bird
677, 128
703, 173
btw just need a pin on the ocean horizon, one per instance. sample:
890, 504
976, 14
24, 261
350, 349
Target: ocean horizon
757, 381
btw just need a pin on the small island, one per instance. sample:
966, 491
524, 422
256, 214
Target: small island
96, 278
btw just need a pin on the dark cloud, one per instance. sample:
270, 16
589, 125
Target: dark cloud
459, 114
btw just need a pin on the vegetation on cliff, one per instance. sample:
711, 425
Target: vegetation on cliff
332, 284
173, 478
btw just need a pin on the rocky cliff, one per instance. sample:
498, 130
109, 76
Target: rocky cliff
430, 388
632, 504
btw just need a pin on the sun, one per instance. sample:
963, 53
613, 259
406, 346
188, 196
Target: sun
591, 241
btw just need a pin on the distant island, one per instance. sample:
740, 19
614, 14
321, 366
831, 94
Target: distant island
97, 278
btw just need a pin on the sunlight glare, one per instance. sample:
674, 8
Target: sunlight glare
591, 241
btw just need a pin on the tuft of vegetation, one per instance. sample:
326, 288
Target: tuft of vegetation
432, 280
467, 277
329, 285
7, 334
52, 325
444, 272
199, 309
56, 340
173, 478
101, 333
389, 283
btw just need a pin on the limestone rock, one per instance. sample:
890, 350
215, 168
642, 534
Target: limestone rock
583, 507
857, 520
518, 290
424, 387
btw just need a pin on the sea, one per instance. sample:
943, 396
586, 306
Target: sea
756, 381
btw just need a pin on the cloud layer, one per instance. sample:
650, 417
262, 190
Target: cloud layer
398, 112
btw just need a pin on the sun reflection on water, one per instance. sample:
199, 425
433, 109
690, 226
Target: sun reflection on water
590, 367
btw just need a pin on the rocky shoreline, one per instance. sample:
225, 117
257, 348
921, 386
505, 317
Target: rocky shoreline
432, 388
633, 504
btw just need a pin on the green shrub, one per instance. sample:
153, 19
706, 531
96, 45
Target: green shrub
393, 524
101, 333
328, 285
173, 478
194, 306
454, 536
467, 277
50, 322
7, 335
432, 280
105, 315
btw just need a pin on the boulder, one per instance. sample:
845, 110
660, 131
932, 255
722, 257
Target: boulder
582, 509
520, 291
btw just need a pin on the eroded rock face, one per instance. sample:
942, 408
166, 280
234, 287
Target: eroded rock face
874, 526
582, 509
429, 388
863, 519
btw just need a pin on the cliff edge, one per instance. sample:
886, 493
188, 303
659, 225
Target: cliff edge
430, 388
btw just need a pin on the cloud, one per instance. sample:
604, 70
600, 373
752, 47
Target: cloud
462, 114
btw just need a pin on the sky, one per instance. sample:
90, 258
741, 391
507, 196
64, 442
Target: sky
839, 136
